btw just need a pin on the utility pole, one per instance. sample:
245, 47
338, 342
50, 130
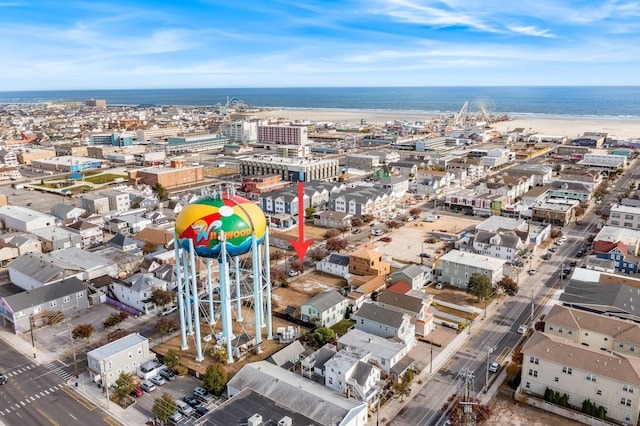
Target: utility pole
105, 382
466, 401
73, 350
532, 305
431, 362
490, 350
33, 342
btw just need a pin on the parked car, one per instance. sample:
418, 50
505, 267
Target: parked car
532, 271
580, 253
148, 386
175, 417
553, 249
199, 412
3, 379
184, 408
137, 392
546, 256
158, 380
494, 367
167, 374
386, 239
523, 329
191, 400
357, 231
439, 286
573, 263
292, 273
168, 310
425, 255
202, 394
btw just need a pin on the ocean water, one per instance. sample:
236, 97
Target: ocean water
616, 101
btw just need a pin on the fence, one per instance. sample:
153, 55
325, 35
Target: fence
122, 306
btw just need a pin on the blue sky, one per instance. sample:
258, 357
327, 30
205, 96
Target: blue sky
64, 44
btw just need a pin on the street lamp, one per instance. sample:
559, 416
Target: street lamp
490, 350
33, 343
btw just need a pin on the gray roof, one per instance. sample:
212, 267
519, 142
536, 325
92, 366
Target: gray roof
38, 267
362, 372
507, 239
326, 300
27, 299
323, 355
412, 271
295, 393
236, 411
615, 299
116, 346
289, 353
403, 301
380, 315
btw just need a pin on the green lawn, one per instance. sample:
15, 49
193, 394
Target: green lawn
342, 327
104, 178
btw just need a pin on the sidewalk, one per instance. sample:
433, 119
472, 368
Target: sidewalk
390, 409
89, 394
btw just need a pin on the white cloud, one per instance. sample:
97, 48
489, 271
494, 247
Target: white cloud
532, 31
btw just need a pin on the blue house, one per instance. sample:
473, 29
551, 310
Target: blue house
618, 252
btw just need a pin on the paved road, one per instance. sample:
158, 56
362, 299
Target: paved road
497, 332
38, 394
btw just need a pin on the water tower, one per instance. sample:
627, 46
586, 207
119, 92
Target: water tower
232, 231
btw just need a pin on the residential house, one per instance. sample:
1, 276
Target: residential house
136, 222
625, 262
349, 373
363, 200
361, 288
385, 322
335, 264
503, 245
57, 238
625, 216
368, 262
136, 290
115, 225
95, 203
124, 243
90, 234
8, 252
157, 237
289, 356
24, 242
457, 267
64, 297
125, 355
557, 213
67, 213
416, 307
570, 190
416, 276
582, 373
329, 219
384, 353
324, 309
538, 174
398, 185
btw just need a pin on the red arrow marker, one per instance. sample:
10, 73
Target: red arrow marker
301, 246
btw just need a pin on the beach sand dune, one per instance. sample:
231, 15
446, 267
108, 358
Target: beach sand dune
623, 128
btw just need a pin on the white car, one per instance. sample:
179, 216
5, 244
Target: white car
292, 273
523, 329
169, 310
494, 367
532, 271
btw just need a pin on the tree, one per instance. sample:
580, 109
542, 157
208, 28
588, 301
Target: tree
402, 387
214, 379
149, 247
579, 211
324, 335
123, 386
220, 354
367, 218
297, 266
160, 191
455, 410
165, 325
479, 285
331, 233
336, 244
318, 254
357, 222
508, 285
309, 212
171, 359
82, 331
415, 211
276, 255
114, 319
393, 224
164, 407
278, 277
161, 297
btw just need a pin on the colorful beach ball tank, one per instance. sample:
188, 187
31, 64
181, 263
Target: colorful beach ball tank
204, 220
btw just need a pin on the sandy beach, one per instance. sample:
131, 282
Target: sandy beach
622, 128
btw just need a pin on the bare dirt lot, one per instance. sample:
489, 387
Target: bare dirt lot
506, 411
409, 240
305, 287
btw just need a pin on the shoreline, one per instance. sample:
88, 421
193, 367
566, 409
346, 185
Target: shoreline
618, 127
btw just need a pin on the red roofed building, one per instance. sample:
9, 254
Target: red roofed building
619, 253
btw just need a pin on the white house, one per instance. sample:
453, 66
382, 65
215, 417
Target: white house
18, 218
136, 290
385, 322
124, 355
349, 373
385, 353
457, 267
325, 309
335, 264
